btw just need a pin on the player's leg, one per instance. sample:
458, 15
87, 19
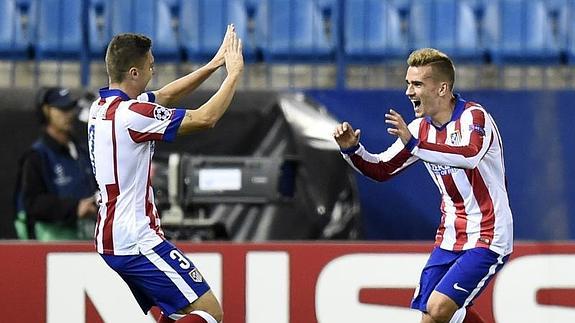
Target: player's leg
180, 290
464, 281
440, 309
205, 309
436, 267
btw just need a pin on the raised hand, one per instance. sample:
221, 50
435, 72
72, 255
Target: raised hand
400, 127
345, 136
219, 59
234, 59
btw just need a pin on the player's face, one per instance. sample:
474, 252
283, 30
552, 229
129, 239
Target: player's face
146, 71
422, 90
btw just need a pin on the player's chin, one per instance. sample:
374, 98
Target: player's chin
418, 114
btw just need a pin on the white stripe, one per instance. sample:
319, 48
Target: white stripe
431, 134
472, 209
206, 316
449, 235
490, 273
174, 276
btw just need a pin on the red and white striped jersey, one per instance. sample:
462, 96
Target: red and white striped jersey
465, 159
121, 136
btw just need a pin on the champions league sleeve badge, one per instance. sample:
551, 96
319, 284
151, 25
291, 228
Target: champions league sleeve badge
162, 113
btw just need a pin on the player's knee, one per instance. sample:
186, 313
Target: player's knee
217, 314
207, 306
440, 313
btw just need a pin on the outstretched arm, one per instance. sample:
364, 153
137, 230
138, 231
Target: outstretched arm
379, 167
476, 131
174, 91
210, 112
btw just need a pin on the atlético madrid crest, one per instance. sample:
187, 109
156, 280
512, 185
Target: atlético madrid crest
196, 276
455, 137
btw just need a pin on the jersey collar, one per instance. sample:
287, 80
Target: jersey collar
106, 92
457, 111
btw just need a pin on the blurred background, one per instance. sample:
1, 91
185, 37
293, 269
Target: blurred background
310, 64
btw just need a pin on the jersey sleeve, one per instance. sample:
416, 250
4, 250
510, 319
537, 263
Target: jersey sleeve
476, 136
152, 122
147, 97
382, 166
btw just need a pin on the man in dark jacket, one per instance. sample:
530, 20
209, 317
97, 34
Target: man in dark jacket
56, 189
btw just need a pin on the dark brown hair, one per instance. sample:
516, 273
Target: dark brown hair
124, 52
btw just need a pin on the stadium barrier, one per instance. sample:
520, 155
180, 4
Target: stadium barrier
283, 283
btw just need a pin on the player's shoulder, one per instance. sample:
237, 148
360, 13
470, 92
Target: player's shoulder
472, 105
415, 122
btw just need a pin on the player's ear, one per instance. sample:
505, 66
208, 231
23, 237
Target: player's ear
443, 89
133, 72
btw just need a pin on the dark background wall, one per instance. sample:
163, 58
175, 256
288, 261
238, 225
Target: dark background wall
537, 134
19, 128
538, 137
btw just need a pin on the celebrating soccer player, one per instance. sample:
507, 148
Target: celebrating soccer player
461, 147
124, 123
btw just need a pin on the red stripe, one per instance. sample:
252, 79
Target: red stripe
465, 151
441, 228
478, 120
149, 206
144, 136
381, 171
470, 104
440, 136
97, 228
112, 190
423, 130
111, 112
145, 109
460, 214
485, 205
458, 125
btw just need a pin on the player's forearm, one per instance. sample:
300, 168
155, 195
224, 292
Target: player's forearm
456, 156
210, 112
383, 166
171, 93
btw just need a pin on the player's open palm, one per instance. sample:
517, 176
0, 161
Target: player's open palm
345, 136
219, 58
233, 56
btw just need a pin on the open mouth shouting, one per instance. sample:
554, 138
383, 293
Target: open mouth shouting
417, 107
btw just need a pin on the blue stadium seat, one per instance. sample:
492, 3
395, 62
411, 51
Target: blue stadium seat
570, 52
99, 29
152, 18
16, 28
58, 29
529, 31
203, 26
374, 30
296, 30
452, 26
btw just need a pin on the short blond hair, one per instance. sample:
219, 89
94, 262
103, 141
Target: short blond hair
441, 64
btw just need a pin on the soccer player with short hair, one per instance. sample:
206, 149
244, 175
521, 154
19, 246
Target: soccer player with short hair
124, 123
461, 147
